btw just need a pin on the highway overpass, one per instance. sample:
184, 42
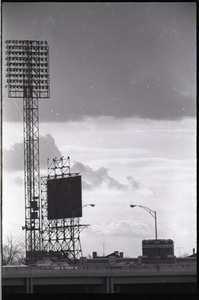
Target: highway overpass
101, 278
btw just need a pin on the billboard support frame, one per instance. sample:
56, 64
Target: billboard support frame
60, 237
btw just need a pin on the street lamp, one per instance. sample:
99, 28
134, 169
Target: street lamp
153, 214
91, 204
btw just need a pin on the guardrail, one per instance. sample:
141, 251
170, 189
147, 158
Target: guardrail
161, 267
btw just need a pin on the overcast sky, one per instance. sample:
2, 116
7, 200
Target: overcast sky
122, 106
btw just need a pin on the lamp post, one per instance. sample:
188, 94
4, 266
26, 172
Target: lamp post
153, 214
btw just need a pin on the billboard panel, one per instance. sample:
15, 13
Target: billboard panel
64, 197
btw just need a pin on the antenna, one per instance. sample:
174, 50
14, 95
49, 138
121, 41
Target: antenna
179, 250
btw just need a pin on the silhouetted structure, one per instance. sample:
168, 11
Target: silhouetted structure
61, 207
165, 249
28, 78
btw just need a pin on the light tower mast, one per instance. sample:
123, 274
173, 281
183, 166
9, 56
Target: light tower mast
28, 78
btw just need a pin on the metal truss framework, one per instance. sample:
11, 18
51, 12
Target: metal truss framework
32, 177
60, 237
28, 78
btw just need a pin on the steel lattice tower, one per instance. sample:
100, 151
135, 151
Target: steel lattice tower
28, 78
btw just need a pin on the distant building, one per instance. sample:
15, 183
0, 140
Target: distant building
194, 255
116, 254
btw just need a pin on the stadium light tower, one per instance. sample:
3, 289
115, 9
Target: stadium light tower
27, 71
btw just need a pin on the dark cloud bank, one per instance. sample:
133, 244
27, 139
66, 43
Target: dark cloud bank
121, 60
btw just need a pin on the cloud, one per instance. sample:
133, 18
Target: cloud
126, 60
13, 159
49, 149
19, 180
133, 183
95, 178
122, 228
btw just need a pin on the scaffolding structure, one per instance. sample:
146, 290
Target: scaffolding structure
60, 237
27, 71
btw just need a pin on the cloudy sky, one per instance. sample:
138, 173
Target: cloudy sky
123, 107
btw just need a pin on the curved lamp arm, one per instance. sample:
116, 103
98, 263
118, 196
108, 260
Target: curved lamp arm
89, 205
152, 213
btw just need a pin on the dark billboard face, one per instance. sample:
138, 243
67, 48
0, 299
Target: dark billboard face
64, 197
